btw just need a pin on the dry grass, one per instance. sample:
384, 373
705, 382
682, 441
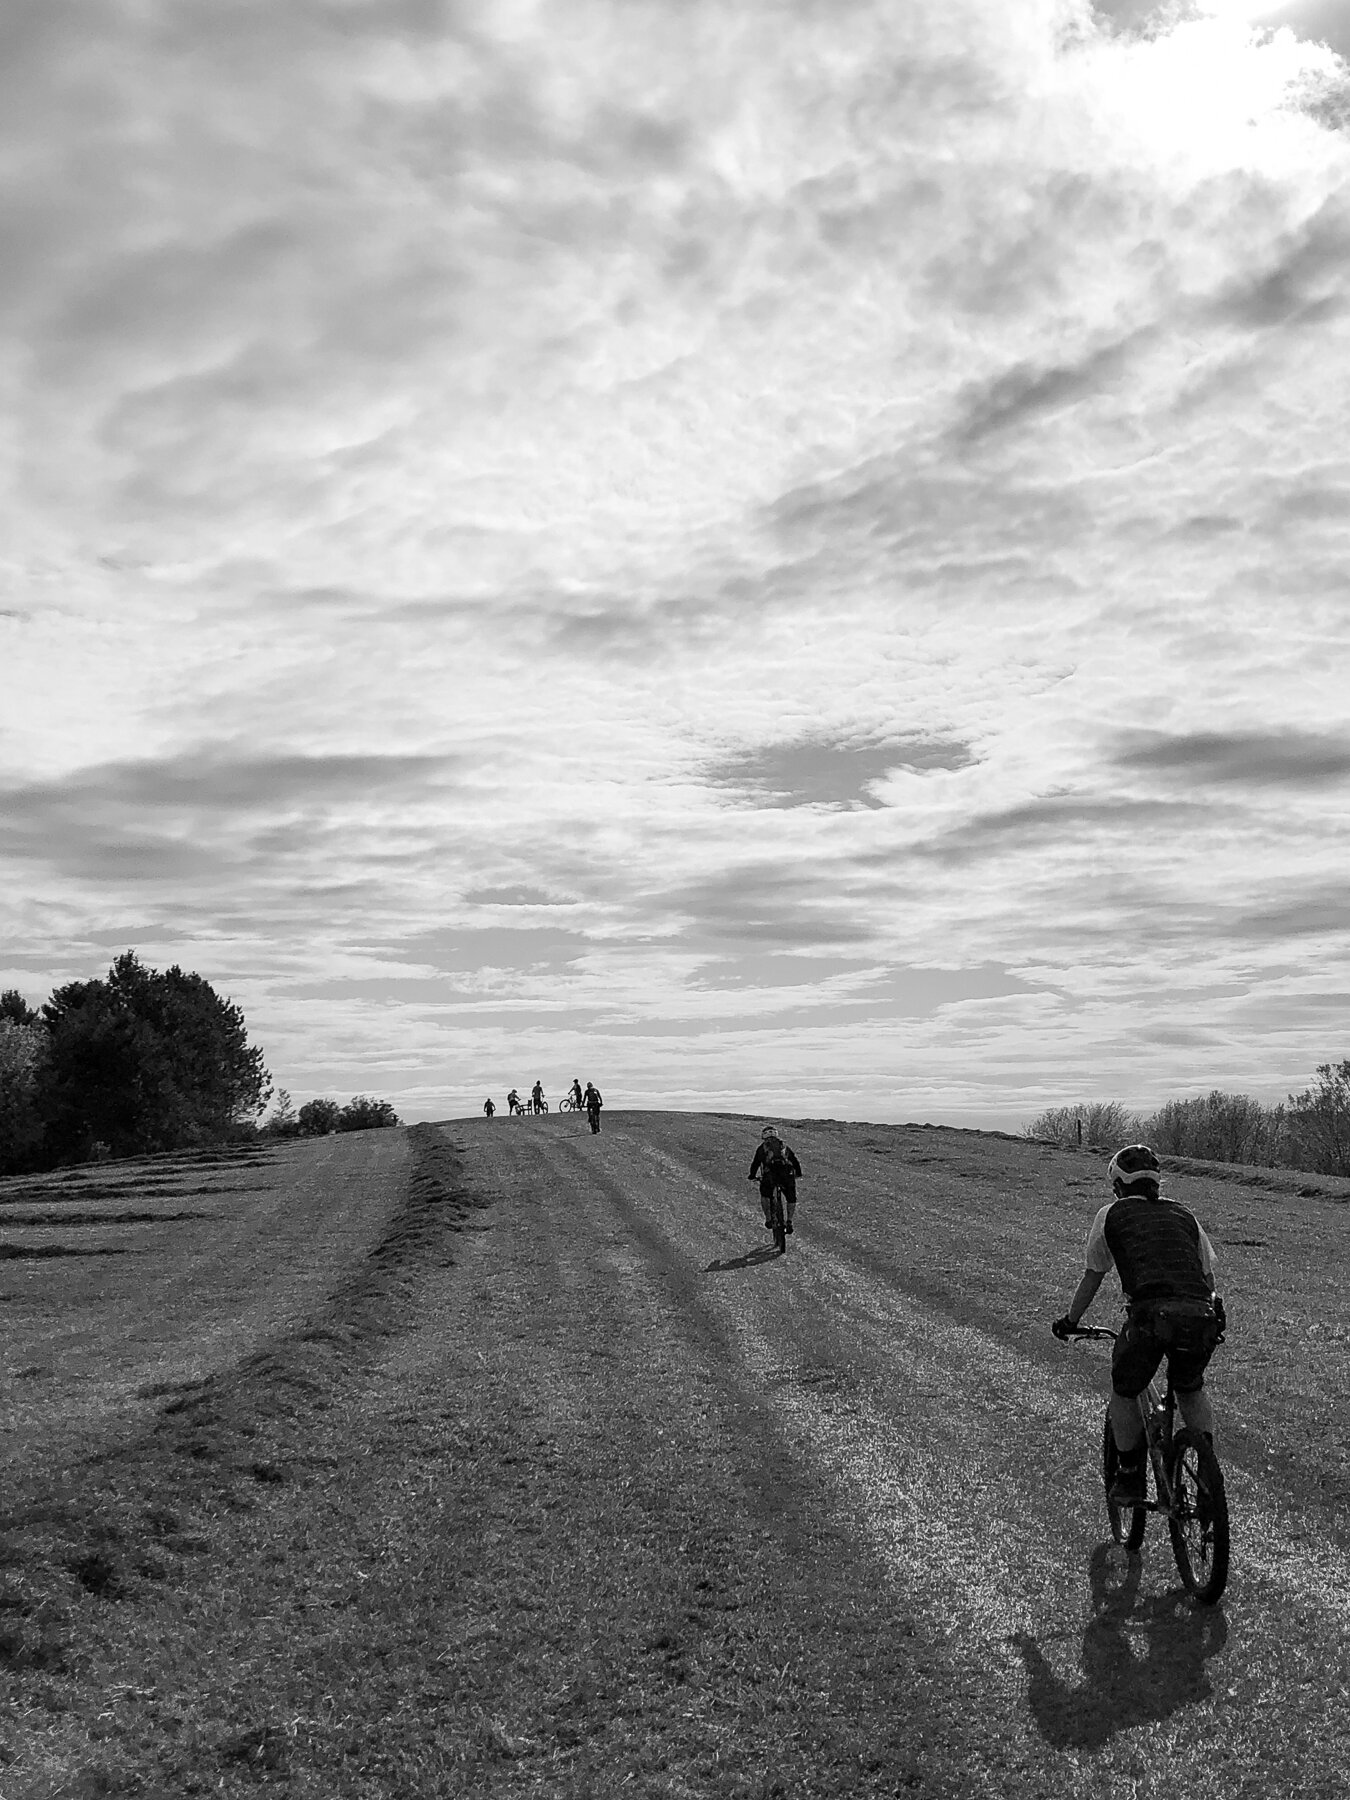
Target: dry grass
122, 1287
474, 1530
143, 1587
994, 1229
323, 1574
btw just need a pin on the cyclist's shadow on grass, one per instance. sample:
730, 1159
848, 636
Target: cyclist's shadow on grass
760, 1254
1142, 1660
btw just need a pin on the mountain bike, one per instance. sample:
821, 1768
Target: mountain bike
568, 1104
1188, 1483
777, 1216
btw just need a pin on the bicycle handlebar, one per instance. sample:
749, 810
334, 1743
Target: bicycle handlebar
1089, 1331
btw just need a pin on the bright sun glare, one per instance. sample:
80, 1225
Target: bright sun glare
1253, 10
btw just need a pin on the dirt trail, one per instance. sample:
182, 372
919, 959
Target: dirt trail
929, 1451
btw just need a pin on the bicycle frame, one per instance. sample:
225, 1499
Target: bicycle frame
1188, 1482
777, 1215
1157, 1415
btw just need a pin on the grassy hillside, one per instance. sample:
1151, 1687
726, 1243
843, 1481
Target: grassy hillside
502, 1460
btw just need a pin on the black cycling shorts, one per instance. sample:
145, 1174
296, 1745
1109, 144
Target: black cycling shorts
1184, 1332
780, 1175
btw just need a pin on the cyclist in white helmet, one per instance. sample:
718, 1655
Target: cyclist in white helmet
775, 1162
1166, 1268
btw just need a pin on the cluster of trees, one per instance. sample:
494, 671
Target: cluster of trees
316, 1118
1310, 1130
144, 1060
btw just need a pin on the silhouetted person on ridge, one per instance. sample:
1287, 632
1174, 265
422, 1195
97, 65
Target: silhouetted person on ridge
593, 1105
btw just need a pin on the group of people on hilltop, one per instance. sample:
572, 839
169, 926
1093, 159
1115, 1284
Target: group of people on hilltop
587, 1100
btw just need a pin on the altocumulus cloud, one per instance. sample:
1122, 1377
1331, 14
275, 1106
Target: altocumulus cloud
1243, 758
813, 772
191, 813
727, 500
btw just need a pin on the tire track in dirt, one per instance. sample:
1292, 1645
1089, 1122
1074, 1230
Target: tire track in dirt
807, 1443
668, 1372
902, 1468
941, 1448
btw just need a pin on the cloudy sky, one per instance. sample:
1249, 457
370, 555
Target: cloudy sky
784, 554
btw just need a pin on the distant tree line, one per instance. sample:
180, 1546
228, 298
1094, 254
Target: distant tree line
1310, 1130
141, 1061
316, 1118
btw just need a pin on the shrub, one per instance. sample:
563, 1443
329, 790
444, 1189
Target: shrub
317, 1118
1219, 1127
1319, 1122
361, 1113
1104, 1122
281, 1122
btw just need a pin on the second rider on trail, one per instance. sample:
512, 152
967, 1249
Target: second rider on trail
776, 1165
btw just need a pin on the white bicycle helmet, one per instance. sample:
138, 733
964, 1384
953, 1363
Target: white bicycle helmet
1136, 1168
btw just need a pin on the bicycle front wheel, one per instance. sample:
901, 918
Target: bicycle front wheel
1198, 1520
1131, 1534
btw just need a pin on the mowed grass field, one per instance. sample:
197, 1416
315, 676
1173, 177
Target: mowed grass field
503, 1460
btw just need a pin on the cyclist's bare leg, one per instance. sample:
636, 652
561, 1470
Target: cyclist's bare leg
1126, 1424
1197, 1411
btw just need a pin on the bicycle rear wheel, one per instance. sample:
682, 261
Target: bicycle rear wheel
1198, 1521
1131, 1535
779, 1226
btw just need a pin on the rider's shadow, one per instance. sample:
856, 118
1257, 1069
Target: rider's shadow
1141, 1660
761, 1253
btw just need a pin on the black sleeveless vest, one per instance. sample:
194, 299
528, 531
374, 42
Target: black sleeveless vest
1156, 1246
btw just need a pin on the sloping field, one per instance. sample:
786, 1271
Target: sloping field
565, 1485
117, 1279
